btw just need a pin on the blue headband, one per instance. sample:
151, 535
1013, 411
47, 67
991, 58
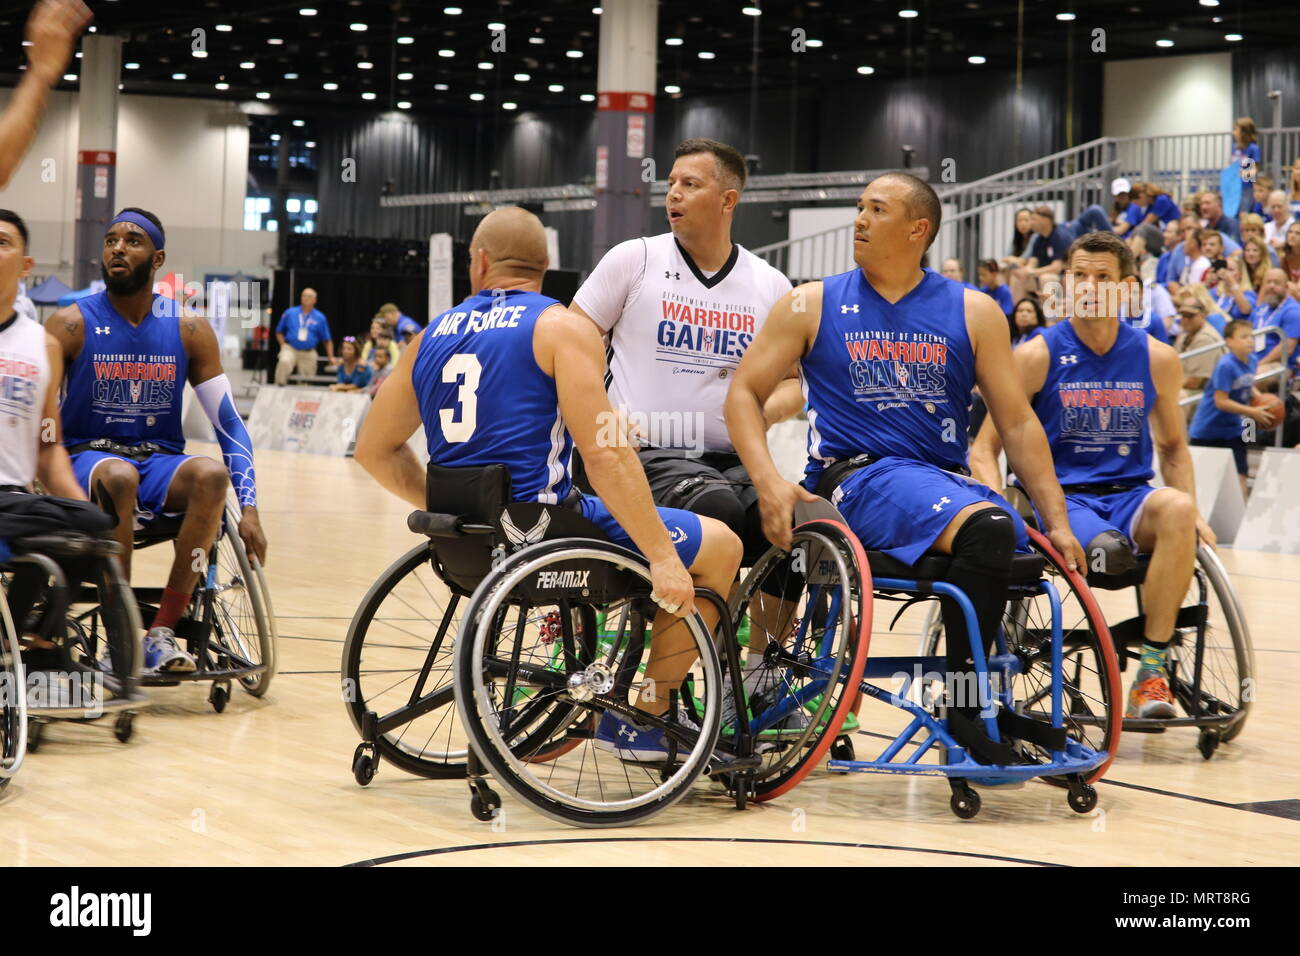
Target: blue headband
135, 219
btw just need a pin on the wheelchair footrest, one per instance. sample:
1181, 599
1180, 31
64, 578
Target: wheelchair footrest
735, 764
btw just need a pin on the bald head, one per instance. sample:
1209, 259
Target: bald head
514, 243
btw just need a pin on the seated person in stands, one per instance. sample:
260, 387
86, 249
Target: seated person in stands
1027, 320
991, 284
381, 368
1278, 310
1230, 295
128, 356
1225, 403
1197, 333
380, 337
403, 327
1254, 228
353, 374
1102, 390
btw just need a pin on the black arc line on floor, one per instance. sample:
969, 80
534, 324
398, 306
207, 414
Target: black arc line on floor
396, 857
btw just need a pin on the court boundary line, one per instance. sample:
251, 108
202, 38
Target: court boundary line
414, 854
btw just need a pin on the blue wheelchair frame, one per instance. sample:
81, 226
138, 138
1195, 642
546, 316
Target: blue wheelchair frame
1074, 762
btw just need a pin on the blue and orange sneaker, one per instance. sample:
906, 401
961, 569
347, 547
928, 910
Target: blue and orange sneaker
1150, 696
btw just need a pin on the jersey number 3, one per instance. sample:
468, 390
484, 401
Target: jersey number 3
462, 364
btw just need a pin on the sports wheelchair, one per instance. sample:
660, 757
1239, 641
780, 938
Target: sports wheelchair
1040, 716
1211, 663
229, 626
535, 645
13, 698
90, 668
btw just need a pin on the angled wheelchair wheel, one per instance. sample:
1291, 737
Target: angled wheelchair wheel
1093, 697
13, 698
809, 614
397, 655
1212, 662
535, 674
236, 601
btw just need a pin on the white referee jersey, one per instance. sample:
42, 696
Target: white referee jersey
24, 377
677, 334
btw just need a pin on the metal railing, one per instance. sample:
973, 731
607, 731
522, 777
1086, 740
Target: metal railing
979, 216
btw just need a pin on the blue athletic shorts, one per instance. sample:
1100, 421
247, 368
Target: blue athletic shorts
156, 474
1090, 515
683, 528
900, 506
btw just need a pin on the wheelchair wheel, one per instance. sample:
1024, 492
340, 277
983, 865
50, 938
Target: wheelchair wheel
398, 652
813, 604
534, 674
13, 698
1093, 695
243, 625
1221, 662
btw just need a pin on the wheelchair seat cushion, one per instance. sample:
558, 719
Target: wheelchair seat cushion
1025, 568
47, 518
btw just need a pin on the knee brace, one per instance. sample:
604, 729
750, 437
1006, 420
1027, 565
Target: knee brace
712, 501
985, 543
1111, 553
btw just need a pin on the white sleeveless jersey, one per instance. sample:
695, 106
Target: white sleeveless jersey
24, 377
677, 335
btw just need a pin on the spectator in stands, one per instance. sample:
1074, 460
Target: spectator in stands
302, 327
1151, 205
1246, 156
1173, 236
380, 338
404, 327
951, 269
1290, 253
1280, 219
1255, 262
353, 374
1225, 402
1157, 315
1196, 248
1210, 206
1295, 187
1027, 320
1146, 242
382, 367
1276, 308
1047, 251
1124, 194
1252, 227
990, 283
1196, 333
1021, 238
1261, 190
1234, 299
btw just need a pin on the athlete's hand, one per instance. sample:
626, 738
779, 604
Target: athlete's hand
250, 532
1206, 533
1068, 547
671, 586
52, 31
776, 507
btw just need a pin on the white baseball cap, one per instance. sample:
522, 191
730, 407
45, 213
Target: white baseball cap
1120, 185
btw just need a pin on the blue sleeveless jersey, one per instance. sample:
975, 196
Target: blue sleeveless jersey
128, 381
889, 379
1094, 408
483, 400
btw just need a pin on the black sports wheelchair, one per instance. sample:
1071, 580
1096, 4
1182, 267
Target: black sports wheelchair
1211, 663
535, 626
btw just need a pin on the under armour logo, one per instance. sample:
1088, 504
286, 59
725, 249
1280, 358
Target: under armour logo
945, 500
1069, 360
672, 275
628, 732
102, 329
846, 309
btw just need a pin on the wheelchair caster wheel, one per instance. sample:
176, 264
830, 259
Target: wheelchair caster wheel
1083, 798
35, 733
1208, 743
965, 803
219, 697
842, 749
124, 727
364, 766
484, 806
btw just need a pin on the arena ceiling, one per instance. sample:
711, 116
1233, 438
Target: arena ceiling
430, 57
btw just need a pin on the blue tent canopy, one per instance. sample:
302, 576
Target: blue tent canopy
71, 297
48, 292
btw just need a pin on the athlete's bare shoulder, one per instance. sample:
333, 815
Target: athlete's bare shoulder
68, 328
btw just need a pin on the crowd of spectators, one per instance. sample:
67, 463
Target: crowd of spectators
362, 364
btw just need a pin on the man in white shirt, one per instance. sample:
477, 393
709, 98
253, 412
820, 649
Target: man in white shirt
1280, 219
680, 308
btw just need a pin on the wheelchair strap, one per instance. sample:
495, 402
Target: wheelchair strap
1133, 631
135, 452
1037, 732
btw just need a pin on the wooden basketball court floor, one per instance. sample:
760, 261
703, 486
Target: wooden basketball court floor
269, 783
